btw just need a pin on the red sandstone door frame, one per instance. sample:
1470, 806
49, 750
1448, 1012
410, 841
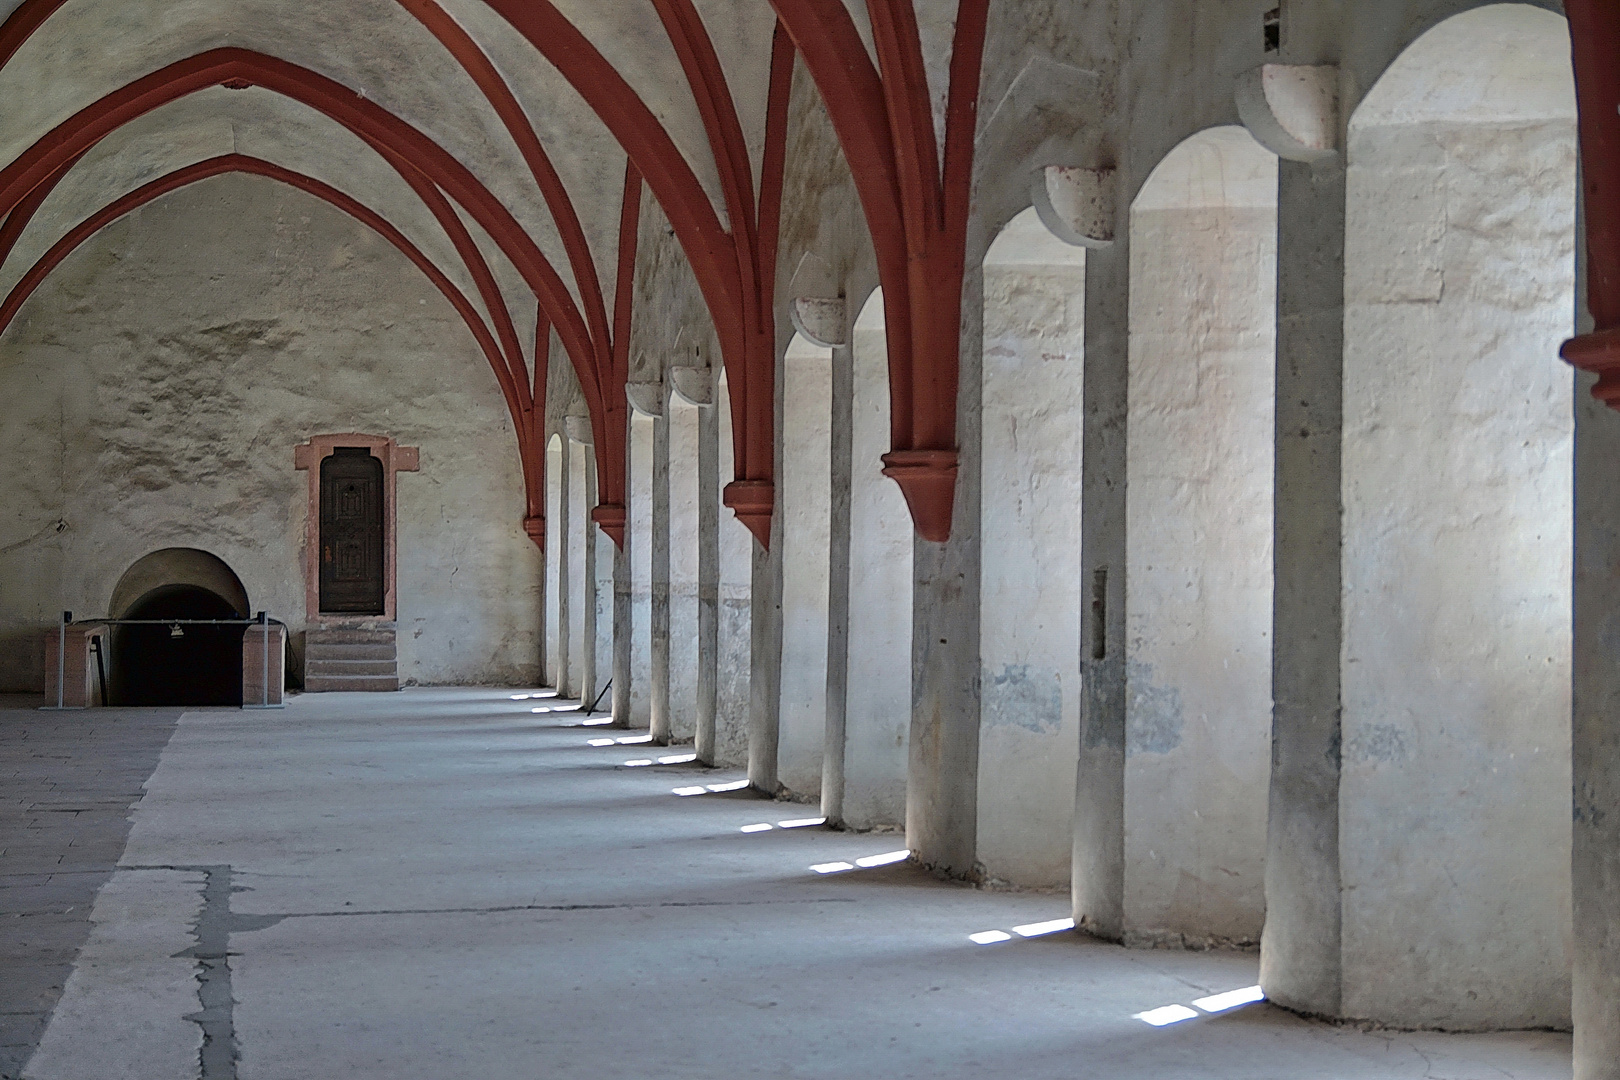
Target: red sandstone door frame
395, 460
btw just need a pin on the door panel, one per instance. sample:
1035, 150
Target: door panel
352, 532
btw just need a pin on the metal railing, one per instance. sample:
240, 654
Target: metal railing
262, 619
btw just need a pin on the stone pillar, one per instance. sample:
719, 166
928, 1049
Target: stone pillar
942, 787
803, 484
658, 616
623, 608
639, 530
1097, 872
878, 690
579, 520
840, 447
1301, 963
562, 527
734, 697
1030, 599
708, 604
684, 420
556, 536
589, 686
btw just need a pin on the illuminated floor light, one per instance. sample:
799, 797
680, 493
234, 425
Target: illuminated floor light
684, 791
567, 708
522, 697
603, 722
801, 823
638, 763
1231, 999
763, 826
888, 858
544, 694
1037, 929
735, 785
600, 742
832, 867
1169, 1014
632, 740
677, 759
543, 708
989, 937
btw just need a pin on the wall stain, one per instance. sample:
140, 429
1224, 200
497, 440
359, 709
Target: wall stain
1153, 718
1017, 697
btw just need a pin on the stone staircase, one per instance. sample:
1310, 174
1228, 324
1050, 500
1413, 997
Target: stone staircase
350, 659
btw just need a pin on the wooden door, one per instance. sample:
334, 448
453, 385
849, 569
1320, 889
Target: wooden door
352, 532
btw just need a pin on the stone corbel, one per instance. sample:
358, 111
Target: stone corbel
693, 385
647, 398
1077, 204
1292, 109
819, 310
578, 429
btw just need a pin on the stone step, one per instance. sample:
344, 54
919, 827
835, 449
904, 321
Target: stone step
325, 650
327, 684
325, 666
349, 636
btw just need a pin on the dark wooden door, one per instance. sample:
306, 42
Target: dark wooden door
352, 532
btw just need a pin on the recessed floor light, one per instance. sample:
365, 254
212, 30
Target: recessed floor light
763, 826
684, 791
632, 740
801, 823
600, 742
735, 785
832, 867
989, 937
888, 858
677, 759
638, 763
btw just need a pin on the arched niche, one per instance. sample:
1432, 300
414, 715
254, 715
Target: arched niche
805, 494
178, 566
1030, 587
182, 664
1454, 793
1199, 514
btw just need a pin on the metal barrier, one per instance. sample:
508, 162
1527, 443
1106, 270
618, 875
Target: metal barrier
263, 620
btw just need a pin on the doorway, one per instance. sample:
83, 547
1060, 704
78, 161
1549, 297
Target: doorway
351, 537
178, 664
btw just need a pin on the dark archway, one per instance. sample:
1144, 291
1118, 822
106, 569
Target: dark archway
202, 665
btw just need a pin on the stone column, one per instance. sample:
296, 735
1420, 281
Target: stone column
579, 520
684, 421
708, 606
942, 785
587, 646
1300, 963
556, 536
803, 485
1097, 869
639, 531
623, 608
838, 546
1030, 595
878, 690
734, 697
658, 654
1596, 730
563, 526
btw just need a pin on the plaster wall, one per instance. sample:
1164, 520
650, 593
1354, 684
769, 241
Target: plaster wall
1199, 528
156, 386
734, 632
878, 698
806, 504
683, 420
1458, 531
1030, 584
639, 543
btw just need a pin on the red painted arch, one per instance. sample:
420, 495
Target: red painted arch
240, 163
1594, 28
916, 212
376, 125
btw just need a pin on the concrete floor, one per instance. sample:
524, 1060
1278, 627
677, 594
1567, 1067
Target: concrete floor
444, 884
